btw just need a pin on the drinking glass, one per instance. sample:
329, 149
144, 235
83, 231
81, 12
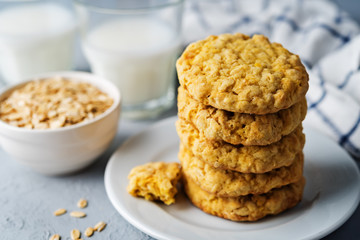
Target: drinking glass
35, 36
135, 44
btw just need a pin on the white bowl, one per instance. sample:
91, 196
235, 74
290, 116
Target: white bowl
67, 149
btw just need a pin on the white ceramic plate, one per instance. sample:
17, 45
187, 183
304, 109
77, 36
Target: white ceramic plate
331, 194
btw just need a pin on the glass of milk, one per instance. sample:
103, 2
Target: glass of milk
135, 44
35, 36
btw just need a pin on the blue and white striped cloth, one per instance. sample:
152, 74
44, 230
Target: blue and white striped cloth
326, 39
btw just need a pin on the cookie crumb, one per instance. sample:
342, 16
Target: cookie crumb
155, 181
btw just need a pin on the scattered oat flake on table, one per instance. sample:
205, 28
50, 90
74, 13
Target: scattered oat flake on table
75, 234
100, 226
78, 214
60, 212
89, 232
55, 237
82, 203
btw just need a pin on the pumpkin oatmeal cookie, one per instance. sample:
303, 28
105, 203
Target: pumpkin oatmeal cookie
245, 208
227, 183
241, 74
246, 159
240, 128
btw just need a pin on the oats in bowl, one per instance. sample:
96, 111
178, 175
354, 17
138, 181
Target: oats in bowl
53, 103
59, 122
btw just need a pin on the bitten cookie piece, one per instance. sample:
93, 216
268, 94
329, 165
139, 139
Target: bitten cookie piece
241, 74
155, 181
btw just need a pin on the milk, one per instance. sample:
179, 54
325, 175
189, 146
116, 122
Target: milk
35, 38
137, 54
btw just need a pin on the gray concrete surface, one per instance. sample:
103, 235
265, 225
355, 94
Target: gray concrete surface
27, 199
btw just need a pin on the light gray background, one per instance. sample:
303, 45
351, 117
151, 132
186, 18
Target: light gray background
27, 199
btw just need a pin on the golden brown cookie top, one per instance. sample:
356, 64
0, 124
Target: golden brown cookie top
241, 74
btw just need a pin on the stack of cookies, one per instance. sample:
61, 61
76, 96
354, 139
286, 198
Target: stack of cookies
240, 105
